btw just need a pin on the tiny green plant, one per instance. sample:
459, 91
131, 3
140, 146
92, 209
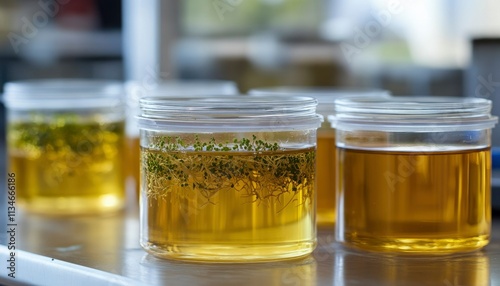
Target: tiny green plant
65, 140
257, 169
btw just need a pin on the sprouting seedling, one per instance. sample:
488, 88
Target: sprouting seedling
67, 143
256, 169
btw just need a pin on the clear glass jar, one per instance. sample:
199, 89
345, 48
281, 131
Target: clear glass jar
413, 173
65, 145
326, 209
179, 88
228, 178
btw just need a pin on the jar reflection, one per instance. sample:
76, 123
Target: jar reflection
299, 272
372, 269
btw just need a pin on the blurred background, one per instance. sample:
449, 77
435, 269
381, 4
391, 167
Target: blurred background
407, 47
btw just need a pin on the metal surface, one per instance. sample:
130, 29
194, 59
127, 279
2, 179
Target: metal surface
106, 251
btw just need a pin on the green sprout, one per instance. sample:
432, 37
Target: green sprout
253, 167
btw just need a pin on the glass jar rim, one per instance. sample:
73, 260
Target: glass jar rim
325, 95
412, 113
63, 94
231, 113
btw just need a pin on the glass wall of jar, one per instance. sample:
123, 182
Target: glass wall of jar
172, 88
65, 145
228, 178
326, 140
413, 173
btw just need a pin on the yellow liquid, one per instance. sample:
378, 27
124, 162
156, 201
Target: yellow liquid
68, 168
133, 162
228, 206
326, 156
434, 202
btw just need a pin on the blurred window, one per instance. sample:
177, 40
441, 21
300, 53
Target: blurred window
243, 17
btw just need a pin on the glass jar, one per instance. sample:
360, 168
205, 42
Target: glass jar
180, 88
228, 178
65, 145
326, 150
413, 173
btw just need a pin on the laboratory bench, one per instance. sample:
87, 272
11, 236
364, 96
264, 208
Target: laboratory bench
105, 250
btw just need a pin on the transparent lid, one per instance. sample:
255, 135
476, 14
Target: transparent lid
179, 88
413, 114
326, 96
63, 94
231, 114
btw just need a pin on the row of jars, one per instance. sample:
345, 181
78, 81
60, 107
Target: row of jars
247, 178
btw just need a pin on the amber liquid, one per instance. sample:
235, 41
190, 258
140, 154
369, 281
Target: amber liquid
252, 213
433, 202
326, 156
132, 163
68, 169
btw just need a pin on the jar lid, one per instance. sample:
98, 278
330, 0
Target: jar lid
326, 96
63, 94
229, 113
413, 114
